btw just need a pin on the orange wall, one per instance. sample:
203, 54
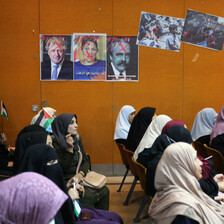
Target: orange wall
169, 81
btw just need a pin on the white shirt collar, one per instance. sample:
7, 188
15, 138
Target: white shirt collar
117, 73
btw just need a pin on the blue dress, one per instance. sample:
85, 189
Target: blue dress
88, 72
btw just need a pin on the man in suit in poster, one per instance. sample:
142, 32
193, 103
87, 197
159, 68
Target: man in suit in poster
122, 59
57, 68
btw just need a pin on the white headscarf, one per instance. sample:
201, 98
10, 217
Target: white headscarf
203, 123
152, 132
122, 125
178, 190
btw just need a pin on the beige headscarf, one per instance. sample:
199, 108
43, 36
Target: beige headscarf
152, 132
178, 190
50, 110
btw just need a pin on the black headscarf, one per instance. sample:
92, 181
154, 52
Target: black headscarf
138, 127
31, 128
35, 159
26, 139
60, 128
173, 134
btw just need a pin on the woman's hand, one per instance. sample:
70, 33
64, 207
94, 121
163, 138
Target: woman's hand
70, 182
218, 177
70, 142
73, 193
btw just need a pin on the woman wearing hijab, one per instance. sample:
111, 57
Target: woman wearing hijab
30, 135
50, 110
152, 132
217, 135
29, 198
203, 125
179, 198
171, 124
177, 133
73, 159
43, 159
123, 124
139, 126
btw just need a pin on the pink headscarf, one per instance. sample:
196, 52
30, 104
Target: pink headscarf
219, 125
172, 123
29, 198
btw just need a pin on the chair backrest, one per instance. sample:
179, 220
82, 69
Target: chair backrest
217, 159
131, 164
199, 147
141, 170
123, 157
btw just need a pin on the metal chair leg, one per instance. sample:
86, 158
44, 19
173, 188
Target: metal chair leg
142, 205
130, 191
122, 182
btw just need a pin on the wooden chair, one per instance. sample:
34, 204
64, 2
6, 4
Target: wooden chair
141, 170
217, 159
125, 162
128, 155
199, 147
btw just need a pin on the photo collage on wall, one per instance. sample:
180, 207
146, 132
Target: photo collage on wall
98, 57
88, 57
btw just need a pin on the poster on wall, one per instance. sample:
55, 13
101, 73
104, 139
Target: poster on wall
89, 56
122, 58
55, 57
161, 32
203, 30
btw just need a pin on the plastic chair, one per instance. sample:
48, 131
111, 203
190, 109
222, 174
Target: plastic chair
217, 159
199, 147
125, 162
128, 155
141, 170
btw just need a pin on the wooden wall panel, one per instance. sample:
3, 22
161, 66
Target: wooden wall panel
203, 79
169, 81
19, 78
160, 81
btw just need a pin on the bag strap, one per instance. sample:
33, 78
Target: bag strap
80, 160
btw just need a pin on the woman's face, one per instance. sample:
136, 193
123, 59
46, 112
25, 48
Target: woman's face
89, 52
198, 169
73, 127
131, 117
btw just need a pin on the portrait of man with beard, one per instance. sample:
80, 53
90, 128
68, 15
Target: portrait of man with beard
122, 59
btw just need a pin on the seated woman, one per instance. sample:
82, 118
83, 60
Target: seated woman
138, 127
30, 135
43, 159
29, 198
123, 124
179, 198
174, 134
217, 135
5, 155
203, 125
88, 67
73, 159
152, 132
171, 124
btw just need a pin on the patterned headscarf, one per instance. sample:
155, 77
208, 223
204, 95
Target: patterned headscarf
29, 198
